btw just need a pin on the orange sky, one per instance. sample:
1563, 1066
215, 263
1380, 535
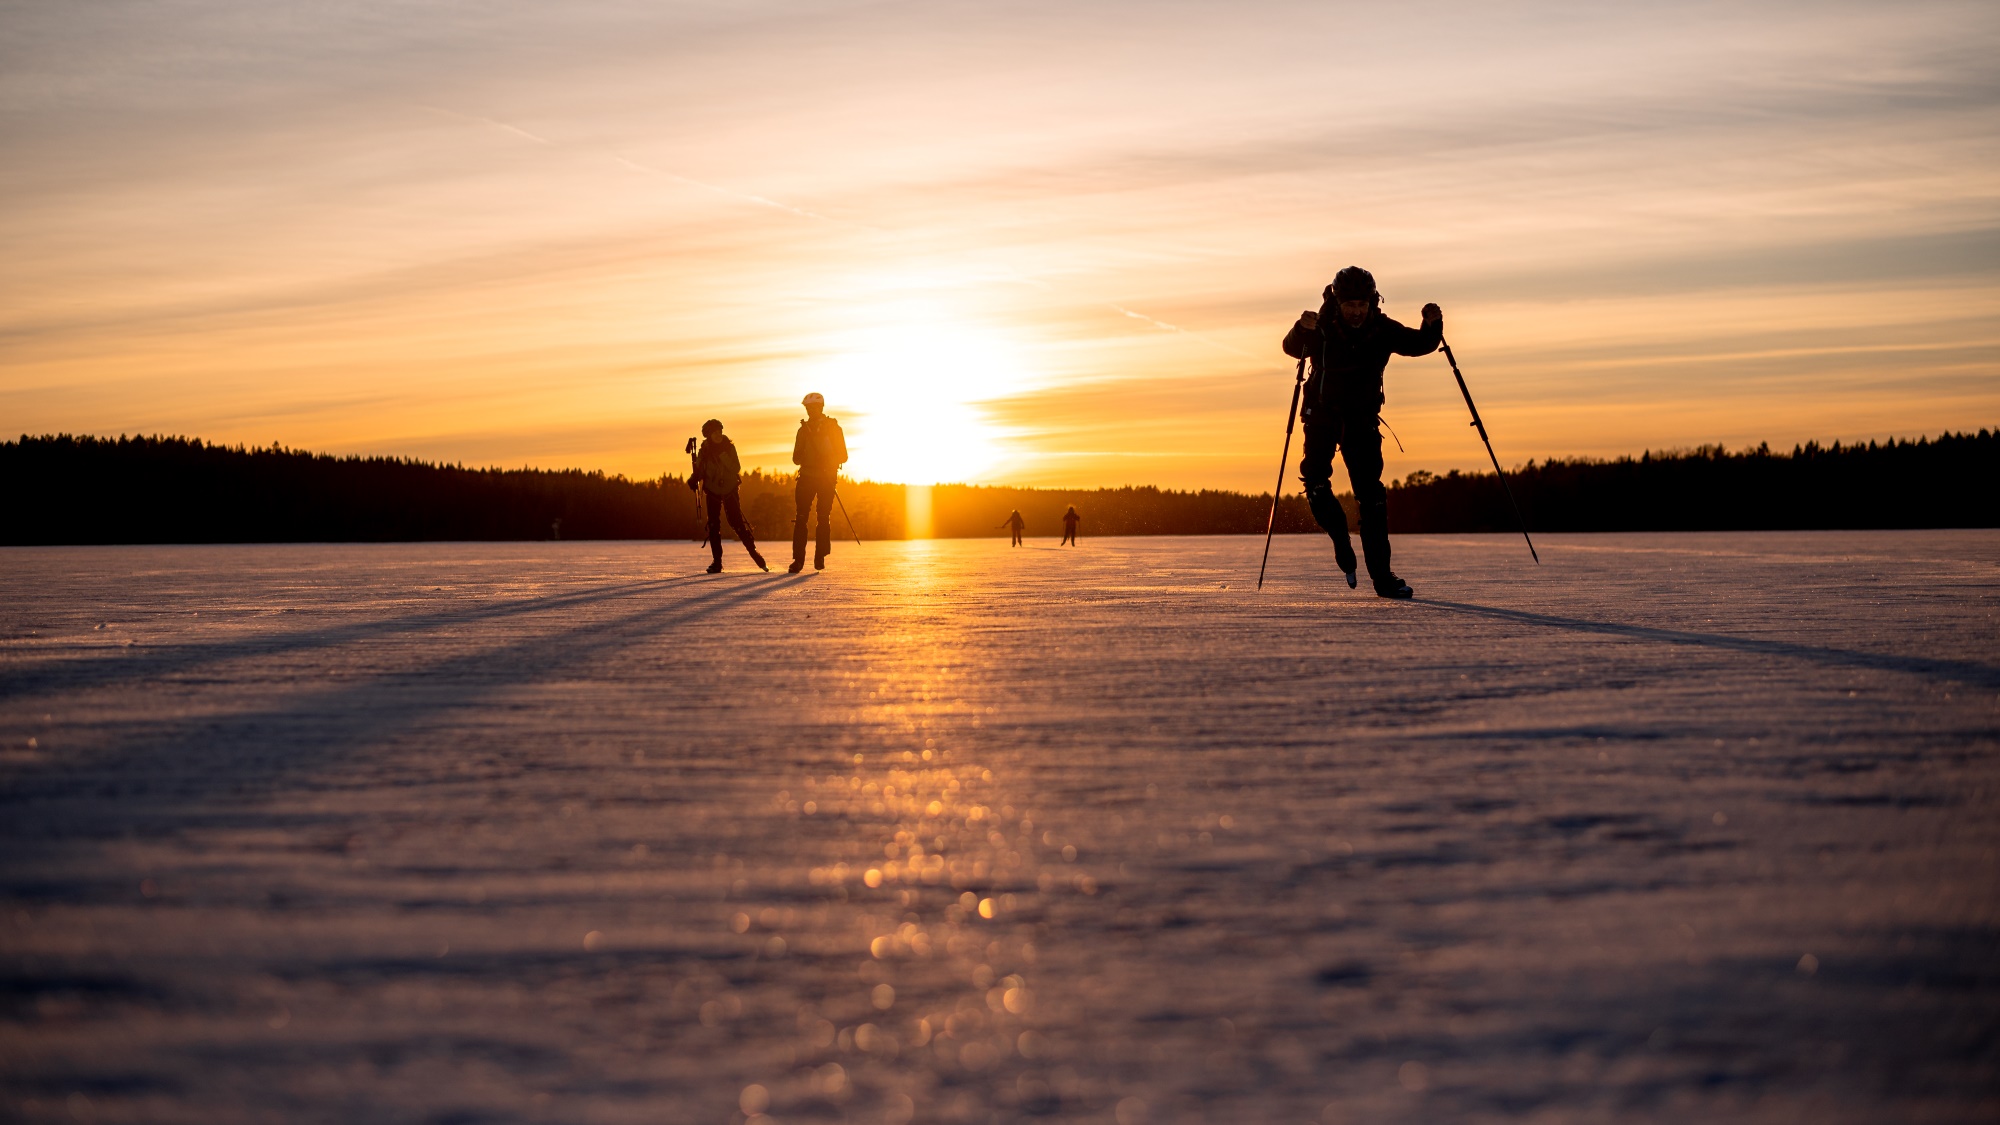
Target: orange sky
1034, 244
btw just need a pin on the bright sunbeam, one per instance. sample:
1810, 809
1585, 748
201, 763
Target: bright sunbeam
908, 390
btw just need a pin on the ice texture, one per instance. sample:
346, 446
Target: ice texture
1673, 828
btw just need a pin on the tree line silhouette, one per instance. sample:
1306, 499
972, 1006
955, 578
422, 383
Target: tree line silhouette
1928, 482
182, 490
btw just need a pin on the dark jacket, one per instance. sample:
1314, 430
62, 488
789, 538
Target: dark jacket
1347, 363
820, 446
716, 467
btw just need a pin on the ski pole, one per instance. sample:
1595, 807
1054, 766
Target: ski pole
1271, 524
845, 516
1481, 427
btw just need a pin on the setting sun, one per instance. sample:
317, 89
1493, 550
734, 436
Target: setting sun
909, 392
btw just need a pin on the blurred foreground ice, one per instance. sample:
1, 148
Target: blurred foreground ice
1674, 828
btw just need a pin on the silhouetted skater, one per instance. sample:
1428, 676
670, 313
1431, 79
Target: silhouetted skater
1350, 341
1070, 520
1014, 521
819, 451
718, 472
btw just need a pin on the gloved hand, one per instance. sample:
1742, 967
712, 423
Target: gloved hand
1432, 314
1303, 339
693, 484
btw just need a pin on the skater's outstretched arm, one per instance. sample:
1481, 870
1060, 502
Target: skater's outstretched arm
1422, 340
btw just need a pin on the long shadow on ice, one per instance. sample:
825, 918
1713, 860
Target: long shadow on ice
161, 778
1964, 671
155, 661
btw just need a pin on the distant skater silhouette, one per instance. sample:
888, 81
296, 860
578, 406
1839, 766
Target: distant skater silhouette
1349, 342
1014, 521
718, 472
1070, 520
819, 451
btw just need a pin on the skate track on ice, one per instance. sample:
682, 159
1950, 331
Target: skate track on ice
1673, 828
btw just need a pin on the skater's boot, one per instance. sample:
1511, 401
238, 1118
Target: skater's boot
798, 564
819, 562
759, 560
1332, 518
1394, 587
715, 567
715, 550
750, 545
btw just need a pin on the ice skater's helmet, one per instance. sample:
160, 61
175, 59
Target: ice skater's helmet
814, 399
711, 427
1354, 284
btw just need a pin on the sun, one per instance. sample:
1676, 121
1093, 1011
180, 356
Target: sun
908, 395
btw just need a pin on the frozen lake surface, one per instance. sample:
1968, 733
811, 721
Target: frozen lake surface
1673, 828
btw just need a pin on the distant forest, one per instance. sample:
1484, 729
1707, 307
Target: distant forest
182, 490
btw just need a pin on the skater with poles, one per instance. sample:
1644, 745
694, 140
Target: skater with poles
819, 451
1015, 522
1349, 343
718, 473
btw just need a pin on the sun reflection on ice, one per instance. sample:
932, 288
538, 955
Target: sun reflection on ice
966, 869
934, 878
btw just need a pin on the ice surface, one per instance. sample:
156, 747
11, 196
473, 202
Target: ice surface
1673, 828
